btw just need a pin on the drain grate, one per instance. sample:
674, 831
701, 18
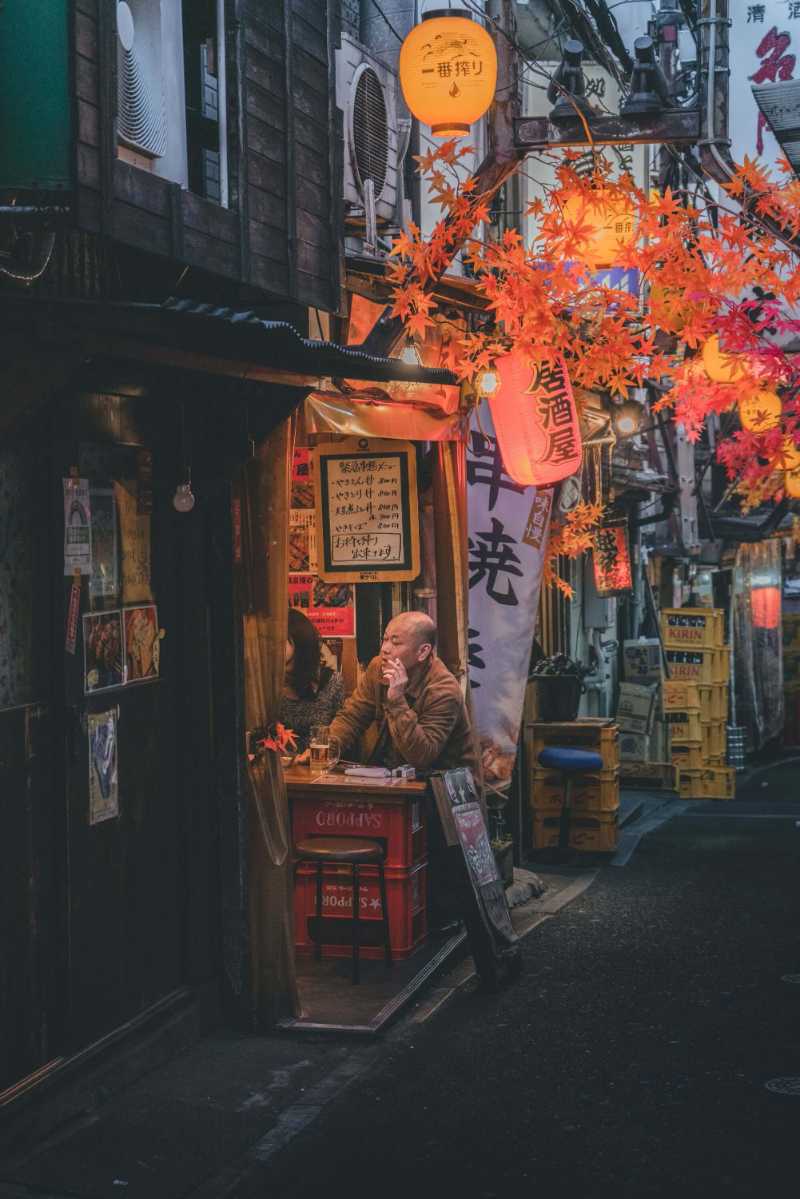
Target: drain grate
791, 978
784, 1086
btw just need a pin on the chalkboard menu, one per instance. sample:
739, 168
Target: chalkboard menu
367, 514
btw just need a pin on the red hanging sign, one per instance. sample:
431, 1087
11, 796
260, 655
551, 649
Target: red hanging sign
535, 419
612, 559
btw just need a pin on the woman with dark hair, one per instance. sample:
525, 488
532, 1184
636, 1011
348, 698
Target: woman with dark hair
312, 693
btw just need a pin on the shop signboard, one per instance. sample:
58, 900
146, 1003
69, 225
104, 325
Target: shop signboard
367, 511
612, 559
764, 40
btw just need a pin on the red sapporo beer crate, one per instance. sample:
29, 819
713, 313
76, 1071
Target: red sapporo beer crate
406, 892
398, 824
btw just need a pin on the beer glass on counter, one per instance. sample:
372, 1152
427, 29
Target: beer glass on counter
325, 750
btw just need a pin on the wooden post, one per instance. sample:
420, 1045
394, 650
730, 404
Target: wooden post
266, 482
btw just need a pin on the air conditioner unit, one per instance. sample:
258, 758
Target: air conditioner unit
141, 109
366, 91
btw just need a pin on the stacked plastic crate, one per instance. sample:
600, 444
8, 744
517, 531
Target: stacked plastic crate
696, 700
595, 795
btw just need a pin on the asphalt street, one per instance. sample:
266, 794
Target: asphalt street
635, 1057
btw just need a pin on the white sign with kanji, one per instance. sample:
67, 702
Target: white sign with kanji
764, 40
508, 526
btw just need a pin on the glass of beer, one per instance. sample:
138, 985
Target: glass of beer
324, 749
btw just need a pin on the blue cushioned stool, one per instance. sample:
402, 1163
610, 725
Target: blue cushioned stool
570, 762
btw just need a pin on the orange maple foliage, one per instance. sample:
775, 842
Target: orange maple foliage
702, 266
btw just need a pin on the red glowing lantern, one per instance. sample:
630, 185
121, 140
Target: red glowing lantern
765, 604
611, 558
535, 419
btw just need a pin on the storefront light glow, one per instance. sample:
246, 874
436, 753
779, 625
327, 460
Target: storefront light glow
626, 418
448, 71
488, 382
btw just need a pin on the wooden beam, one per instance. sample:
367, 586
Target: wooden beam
120, 347
676, 127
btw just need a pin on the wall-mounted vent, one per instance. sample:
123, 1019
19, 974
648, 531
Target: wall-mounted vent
369, 130
141, 117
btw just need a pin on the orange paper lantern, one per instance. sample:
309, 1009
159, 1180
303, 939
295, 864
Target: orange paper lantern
721, 367
612, 227
448, 72
535, 419
759, 411
791, 482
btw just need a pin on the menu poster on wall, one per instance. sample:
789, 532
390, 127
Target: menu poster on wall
104, 582
331, 607
367, 512
103, 784
77, 527
135, 544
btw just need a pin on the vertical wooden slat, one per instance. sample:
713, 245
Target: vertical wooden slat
291, 190
266, 482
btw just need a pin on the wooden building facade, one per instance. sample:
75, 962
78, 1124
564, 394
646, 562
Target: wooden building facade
126, 879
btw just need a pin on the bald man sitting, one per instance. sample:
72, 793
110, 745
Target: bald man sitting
408, 707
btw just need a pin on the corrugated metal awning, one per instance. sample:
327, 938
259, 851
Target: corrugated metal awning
198, 336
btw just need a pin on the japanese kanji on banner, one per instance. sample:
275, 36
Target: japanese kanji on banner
535, 418
508, 525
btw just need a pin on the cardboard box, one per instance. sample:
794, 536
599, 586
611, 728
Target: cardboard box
634, 747
641, 661
636, 708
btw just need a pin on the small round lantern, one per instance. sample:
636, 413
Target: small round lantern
611, 227
448, 71
760, 411
790, 455
791, 482
721, 367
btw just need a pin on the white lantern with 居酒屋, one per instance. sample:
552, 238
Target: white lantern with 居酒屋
609, 223
759, 411
448, 71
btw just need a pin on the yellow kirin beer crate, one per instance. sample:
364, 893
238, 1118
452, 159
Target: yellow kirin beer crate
597, 791
692, 628
713, 738
589, 832
687, 756
712, 782
680, 695
692, 665
597, 734
684, 725
713, 701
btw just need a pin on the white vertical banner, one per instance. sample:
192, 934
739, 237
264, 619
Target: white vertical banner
764, 42
508, 527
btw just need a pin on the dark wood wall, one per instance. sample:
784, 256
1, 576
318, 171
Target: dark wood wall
282, 233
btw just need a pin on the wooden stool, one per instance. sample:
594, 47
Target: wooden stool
569, 762
354, 852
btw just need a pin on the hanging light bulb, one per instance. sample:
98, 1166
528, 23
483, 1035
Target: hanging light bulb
626, 418
487, 382
183, 499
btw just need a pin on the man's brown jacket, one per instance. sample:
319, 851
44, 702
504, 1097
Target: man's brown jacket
428, 727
